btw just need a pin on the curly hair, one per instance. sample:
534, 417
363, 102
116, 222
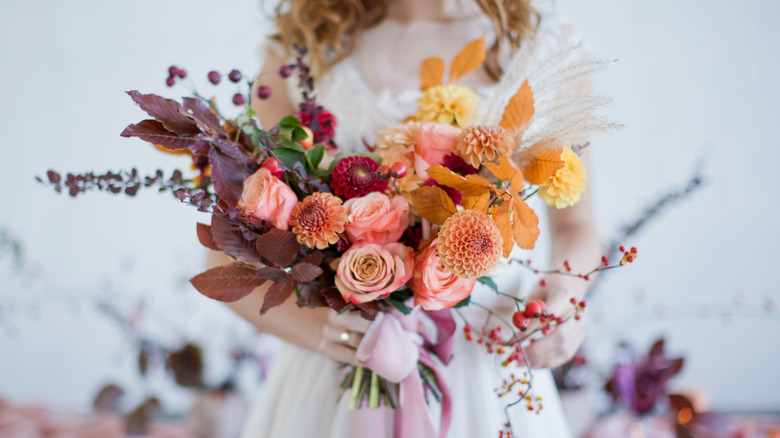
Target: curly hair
331, 28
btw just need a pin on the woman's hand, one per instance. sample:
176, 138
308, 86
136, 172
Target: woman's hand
341, 335
560, 345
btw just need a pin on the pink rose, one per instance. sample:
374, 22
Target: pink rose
376, 218
434, 286
267, 198
435, 141
368, 271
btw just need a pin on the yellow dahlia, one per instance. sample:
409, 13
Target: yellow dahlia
565, 187
450, 104
318, 219
479, 143
470, 244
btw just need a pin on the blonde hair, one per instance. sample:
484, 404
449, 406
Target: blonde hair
330, 28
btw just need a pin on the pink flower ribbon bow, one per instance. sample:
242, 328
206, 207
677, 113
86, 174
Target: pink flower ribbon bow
392, 347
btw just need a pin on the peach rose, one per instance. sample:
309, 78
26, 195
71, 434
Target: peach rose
436, 287
368, 271
435, 141
376, 218
267, 198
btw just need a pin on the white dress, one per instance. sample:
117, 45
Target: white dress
372, 90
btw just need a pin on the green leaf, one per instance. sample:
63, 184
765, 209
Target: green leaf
463, 303
316, 154
298, 134
289, 122
487, 281
403, 308
289, 156
340, 157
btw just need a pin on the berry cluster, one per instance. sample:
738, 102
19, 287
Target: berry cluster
173, 74
628, 256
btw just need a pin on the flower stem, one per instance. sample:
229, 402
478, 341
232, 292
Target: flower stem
353, 398
373, 394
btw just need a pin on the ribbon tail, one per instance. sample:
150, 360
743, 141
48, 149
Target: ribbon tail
411, 418
365, 422
445, 334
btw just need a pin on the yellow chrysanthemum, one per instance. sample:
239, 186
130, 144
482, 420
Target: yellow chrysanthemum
565, 187
450, 104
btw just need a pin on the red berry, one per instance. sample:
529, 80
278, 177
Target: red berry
264, 92
633, 249
239, 99
468, 329
272, 164
398, 169
573, 300
285, 71
181, 73
172, 70
543, 283
170, 81
577, 317
583, 304
214, 77
534, 309
383, 172
235, 75
520, 321
605, 260
622, 248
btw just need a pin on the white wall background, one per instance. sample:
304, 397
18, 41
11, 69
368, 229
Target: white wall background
694, 78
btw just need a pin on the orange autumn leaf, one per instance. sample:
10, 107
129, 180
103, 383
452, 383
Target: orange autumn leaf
433, 204
478, 203
504, 170
525, 224
431, 73
468, 59
472, 185
543, 166
516, 184
519, 110
501, 216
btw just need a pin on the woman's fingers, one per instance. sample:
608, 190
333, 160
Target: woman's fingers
351, 321
341, 335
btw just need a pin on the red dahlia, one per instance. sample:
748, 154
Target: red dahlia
356, 176
458, 165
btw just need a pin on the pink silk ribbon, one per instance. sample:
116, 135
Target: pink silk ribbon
392, 348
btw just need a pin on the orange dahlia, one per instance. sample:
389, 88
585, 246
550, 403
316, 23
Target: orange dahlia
318, 219
479, 143
470, 244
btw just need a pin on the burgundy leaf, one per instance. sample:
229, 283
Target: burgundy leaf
200, 113
310, 296
305, 272
154, 132
657, 349
204, 235
233, 150
676, 366
187, 366
138, 420
679, 402
143, 361
231, 241
227, 283
277, 294
368, 310
334, 299
228, 176
274, 274
314, 258
107, 399
167, 112
279, 246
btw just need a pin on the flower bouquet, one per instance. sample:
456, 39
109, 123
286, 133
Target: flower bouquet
399, 232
